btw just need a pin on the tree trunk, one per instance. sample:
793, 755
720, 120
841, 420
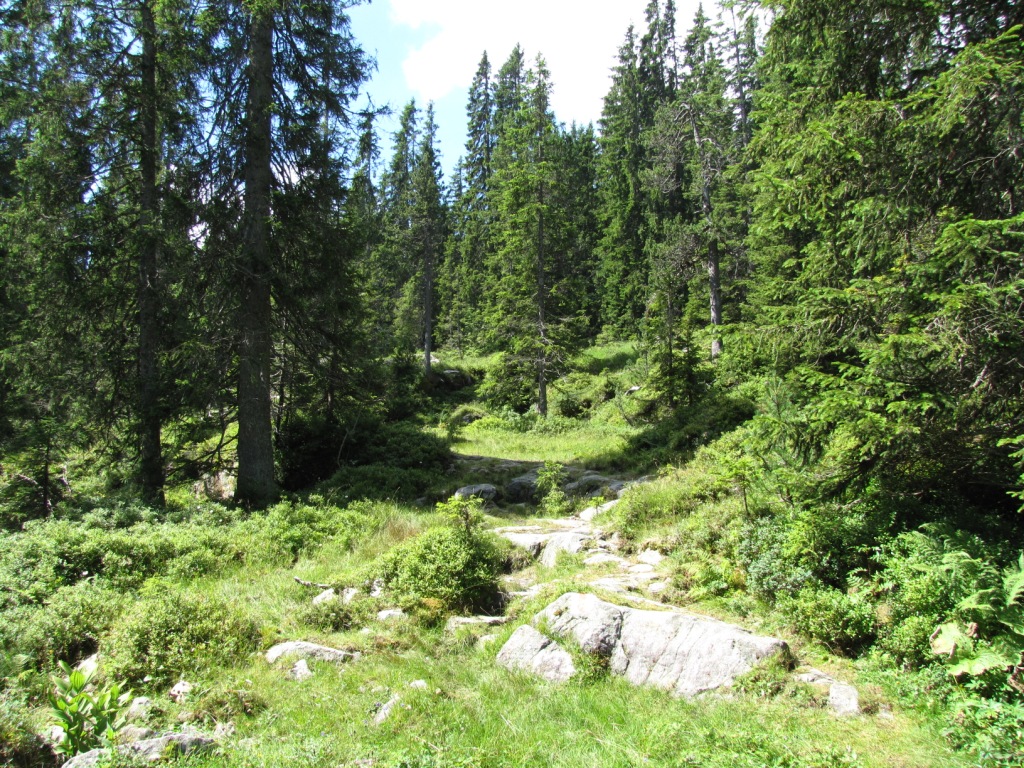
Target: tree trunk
542, 373
714, 278
151, 470
256, 486
428, 304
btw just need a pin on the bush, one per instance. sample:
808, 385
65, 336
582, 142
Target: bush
168, 634
19, 746
69, 628
336, 615
456, 563
840, 621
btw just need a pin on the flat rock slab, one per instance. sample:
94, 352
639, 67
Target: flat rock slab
677, 652
148, 750
569, 541
455, 622
300, 649
527, 650
588, 514
531, 542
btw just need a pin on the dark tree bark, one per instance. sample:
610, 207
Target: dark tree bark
151, 470
256, 486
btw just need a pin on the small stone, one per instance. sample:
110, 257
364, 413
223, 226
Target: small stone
844, 699
300, 671
323, 597
657, 587
224, 730
385, 711
132, 733
139, 708
180, 691
650, 557
303, 650
420, 685
349, 595
377, 588
641, 568
485, 640
813, 675
390, 614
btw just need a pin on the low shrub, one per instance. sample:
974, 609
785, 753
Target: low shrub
169, 633
20, 747
72, 622
845, 623
456, 563
337, 615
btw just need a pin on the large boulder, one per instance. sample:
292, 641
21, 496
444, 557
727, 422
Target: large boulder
521, 489
484, 491
147, 751
677, 652
528, 650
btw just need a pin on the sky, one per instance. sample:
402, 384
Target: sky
430, 49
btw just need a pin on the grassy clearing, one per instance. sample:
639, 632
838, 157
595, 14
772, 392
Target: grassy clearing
473, 713
595, 446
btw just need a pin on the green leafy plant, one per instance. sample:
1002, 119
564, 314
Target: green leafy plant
996, 639
88, 715
549, 481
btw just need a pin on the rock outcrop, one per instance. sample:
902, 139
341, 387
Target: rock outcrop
674, 651
147, 750
528, 650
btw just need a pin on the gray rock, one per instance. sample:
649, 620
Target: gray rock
148, 750
132, 733
657, 587
813, 675
323, 597
484, 640
484, 491
641, 568
385, 711
390, 614
531, 542
139, 708
590, 513
587, 484
224, 730
300, 671
650, 557
419, 685
455, 622
180, 691
844, 699
348, 595
521, 489
300, 649
528, 650
677, 652
563, 542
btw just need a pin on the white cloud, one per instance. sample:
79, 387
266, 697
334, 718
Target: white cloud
580, 40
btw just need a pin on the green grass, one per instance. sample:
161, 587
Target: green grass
590, 445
